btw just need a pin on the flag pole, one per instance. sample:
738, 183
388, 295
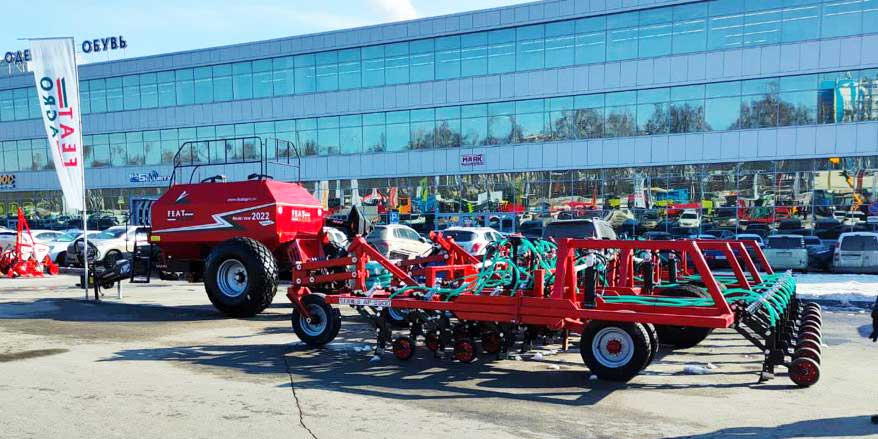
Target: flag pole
84, 190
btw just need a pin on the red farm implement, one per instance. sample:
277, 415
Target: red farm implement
26, 257
622, 297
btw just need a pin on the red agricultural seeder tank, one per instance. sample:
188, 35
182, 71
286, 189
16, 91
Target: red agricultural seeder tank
622, 297
236, 236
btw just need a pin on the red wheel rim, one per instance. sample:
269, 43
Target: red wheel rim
811, 344
402, 348
491, 342
432, 342
464, 352
804, 371
807, 353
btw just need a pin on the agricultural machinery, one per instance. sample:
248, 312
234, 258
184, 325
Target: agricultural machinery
622, 297
24, 256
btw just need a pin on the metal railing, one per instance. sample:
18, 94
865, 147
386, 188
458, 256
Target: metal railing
252, 150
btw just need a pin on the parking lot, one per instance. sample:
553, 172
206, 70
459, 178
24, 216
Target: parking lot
164, 363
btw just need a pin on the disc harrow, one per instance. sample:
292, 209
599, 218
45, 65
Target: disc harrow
623, 298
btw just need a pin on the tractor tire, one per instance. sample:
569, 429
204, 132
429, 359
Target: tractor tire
240, 277
111, 258
683, 337
615, 351
323, 325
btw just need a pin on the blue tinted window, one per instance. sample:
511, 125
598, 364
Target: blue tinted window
870, 16
447, 127
374, 133
473, 124
305, 76
656, 30
349, 69
801, 21
501, 51
726, 25
762, 26
222, 83
327, 71
114, 94
327, 135
373, 66
421, 60
149, 95
690, 28
262, 78
284, 76
722, 113
396, 63
167, 89
474, 54
841, 18
591, 40
397, 127
203, 85
351, 134
131, 91
448, 57
560, 43
242, 80
622, 36
530, 47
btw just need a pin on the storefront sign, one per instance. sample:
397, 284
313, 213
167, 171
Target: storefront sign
7, 181
104, 44
17, 57
147, 177
472, 160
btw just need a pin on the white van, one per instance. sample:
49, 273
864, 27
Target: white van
856, 252
786, 252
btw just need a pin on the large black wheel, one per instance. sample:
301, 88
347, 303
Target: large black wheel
682, 337
240, 277
615, 351
111, 258
322, 324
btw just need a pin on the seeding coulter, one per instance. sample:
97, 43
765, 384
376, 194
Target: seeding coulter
26, 257
623, 298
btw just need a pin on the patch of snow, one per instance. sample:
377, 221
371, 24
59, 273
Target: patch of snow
695, 370
537, 357
592, 377
554, 367
375, 359
516, 357
840, 287
711, 366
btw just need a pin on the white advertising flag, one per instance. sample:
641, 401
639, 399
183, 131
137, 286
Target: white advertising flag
57, 80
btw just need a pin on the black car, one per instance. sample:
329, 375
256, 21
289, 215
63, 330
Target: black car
531, 229
819, 254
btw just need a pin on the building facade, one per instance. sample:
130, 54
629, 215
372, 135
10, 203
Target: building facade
767, 108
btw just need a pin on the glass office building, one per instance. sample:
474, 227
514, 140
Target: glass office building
749, 110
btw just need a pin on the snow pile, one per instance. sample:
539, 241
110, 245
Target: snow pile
695, 370
843, 288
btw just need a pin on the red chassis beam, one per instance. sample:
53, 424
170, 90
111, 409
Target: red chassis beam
563, 307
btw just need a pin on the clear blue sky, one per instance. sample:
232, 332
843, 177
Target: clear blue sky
161, 26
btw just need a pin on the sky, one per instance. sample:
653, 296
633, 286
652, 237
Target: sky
160, 26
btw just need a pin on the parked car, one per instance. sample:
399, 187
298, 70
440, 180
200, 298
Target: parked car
690, 218
617, 217
856, 252
532, 229
111, 245
64, 254
398, 241
749, 237
759, 229
720, 233
473, 239
579, 228
854, 218
658, 236
726, 217
792, 226
786, 252
827, 228
650, 220
819, 254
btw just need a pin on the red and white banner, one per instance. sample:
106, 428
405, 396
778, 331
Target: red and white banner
54, 67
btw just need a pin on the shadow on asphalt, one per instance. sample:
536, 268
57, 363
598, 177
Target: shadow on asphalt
344, 367
851, 426
77, 310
